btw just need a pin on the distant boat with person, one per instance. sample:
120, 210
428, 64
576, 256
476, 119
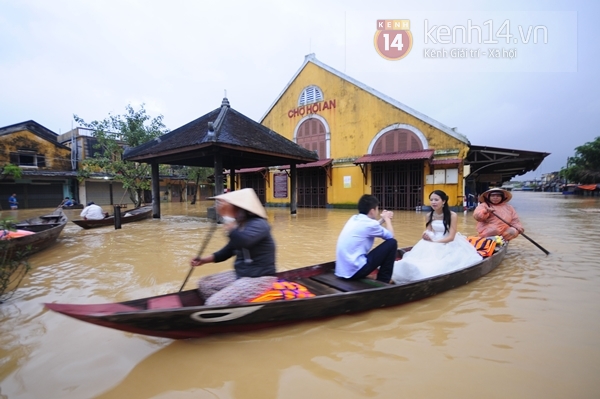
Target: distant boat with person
130, 216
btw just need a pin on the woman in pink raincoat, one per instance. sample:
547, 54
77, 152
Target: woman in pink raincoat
495, 201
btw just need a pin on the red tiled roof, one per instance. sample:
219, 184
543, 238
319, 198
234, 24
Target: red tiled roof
395, 156
321, 162
245, 170
453, 161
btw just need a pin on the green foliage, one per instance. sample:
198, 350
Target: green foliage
10, 170
114, 134
584, 167
196, 174
13, 266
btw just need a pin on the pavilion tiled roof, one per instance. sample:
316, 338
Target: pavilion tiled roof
223, 128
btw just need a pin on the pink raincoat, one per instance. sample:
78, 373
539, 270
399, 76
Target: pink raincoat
489, 225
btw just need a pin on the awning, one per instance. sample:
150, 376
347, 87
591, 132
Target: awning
453, 161
322, 163
494, 164
590, 187
396, 156
245, 170
316, 164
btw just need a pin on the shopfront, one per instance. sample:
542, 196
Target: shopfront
367, 143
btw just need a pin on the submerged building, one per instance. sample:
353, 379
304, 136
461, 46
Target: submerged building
367, 143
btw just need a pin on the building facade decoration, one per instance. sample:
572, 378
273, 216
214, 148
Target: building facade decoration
367, 143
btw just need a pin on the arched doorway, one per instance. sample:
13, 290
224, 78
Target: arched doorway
312, 181
397, 184
311, 134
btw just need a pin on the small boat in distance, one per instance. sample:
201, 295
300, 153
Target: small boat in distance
75, 206
127, 216
183, 314
33, 235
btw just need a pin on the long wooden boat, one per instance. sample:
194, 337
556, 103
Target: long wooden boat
46, 229
76, 206
127, 216
183, 315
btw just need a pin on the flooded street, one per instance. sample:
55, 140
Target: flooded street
531, 328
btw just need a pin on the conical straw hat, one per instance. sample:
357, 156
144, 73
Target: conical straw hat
485, 196
246, 199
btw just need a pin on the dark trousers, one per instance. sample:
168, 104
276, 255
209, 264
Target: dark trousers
382, 257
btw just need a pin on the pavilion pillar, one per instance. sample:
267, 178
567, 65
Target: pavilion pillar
293, 189
211, 211
218, 174
231, 185
155, 191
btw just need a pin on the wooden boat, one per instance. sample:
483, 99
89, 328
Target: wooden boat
76, 206
127, 216
183, 315
46, 229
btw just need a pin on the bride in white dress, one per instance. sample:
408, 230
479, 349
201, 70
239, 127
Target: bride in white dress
442, 249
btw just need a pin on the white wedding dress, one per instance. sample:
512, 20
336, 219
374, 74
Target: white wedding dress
427, 258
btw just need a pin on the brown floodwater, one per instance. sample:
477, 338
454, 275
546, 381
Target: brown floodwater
529, 329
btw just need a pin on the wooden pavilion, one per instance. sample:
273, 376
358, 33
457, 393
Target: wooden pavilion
223, 139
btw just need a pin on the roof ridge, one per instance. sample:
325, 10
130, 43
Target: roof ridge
411, 111
215, 127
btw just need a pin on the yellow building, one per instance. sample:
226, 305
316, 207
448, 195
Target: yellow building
46, 173
367, 142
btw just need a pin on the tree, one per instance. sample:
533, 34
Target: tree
584, 167
10, 170
196, 173
113, 135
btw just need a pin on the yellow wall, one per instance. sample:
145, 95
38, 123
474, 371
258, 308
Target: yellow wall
454, 191
56, 158
357, 118
340, 193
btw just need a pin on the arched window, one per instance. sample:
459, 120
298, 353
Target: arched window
312, 94
311, 135
397, 140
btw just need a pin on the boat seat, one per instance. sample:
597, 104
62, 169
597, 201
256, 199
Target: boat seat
346, 285
191, 298
24, 225
316, 287
164, 302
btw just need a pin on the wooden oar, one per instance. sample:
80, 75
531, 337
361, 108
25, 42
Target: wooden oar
200, 251
523, 234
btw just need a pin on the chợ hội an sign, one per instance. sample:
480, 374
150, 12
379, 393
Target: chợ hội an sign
311, 108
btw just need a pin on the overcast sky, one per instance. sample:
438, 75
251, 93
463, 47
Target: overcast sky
92, 58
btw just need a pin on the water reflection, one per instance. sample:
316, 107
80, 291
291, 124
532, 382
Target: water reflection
529, 328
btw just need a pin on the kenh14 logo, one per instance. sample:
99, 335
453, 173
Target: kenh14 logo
393, 40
